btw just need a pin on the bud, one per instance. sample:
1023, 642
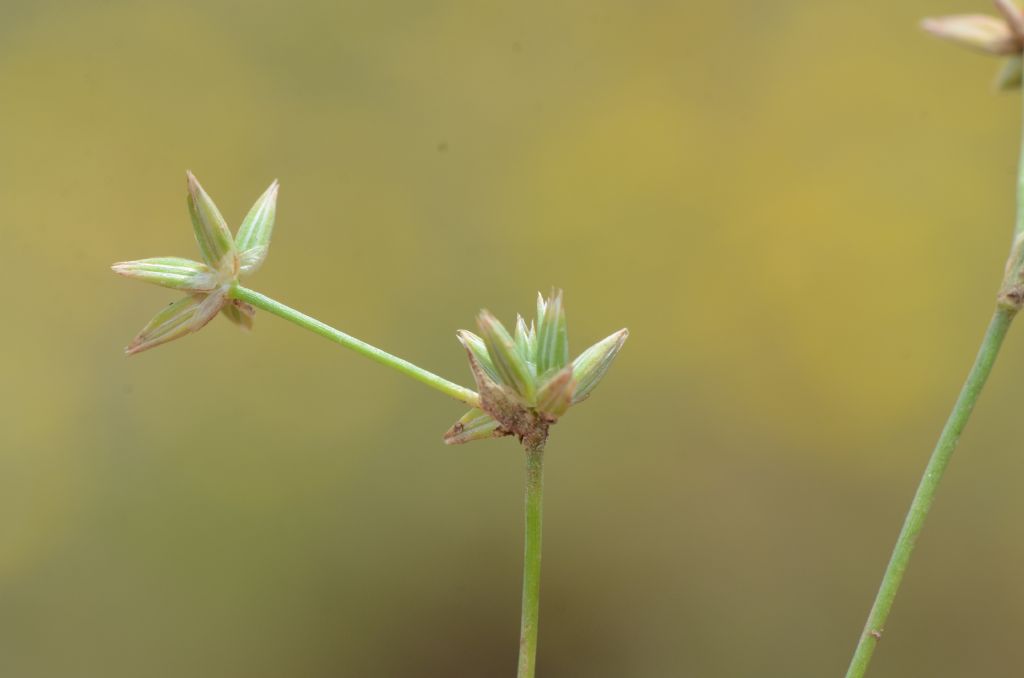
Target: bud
174, 272
590, 366
253, 237
212, 234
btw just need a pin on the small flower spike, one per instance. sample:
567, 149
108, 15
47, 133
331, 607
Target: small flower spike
1002, 36
525, 379
209, 282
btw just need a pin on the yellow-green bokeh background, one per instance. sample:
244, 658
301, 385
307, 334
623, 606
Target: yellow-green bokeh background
800, 209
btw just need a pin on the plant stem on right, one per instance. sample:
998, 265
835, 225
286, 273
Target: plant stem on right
922, 502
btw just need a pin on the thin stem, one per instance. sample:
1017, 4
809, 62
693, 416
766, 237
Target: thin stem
531, 563
361, 347
1019, 222
922, 502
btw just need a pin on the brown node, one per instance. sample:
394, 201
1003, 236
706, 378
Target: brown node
508, 409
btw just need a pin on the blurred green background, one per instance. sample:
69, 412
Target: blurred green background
800, 209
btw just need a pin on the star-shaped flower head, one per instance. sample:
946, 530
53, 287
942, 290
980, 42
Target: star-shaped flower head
208, 283
1003, 36
525, 379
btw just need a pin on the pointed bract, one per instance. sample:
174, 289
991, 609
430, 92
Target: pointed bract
531, 344
552, 336
497, 399
209, 308
253, 238
521, 339
212, 234
590, 366
173, 272
475, 344
474, 425
555, 396
239, 313
173, 322
509, 365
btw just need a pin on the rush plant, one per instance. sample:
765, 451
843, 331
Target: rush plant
525, 380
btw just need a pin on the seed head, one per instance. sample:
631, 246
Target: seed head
209, 282
525, 380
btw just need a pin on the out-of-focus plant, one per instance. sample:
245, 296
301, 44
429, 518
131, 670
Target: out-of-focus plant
1002, 36
525, 382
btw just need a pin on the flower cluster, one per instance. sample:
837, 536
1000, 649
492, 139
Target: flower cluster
208, 283
525, 379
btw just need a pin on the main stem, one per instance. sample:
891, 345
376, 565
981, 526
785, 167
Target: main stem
925, 495
531, 563
361, 347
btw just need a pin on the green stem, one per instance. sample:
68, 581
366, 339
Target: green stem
925, 495
531, 563
1019, 222
361, 347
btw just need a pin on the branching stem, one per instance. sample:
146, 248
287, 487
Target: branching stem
534, 457
265, 303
